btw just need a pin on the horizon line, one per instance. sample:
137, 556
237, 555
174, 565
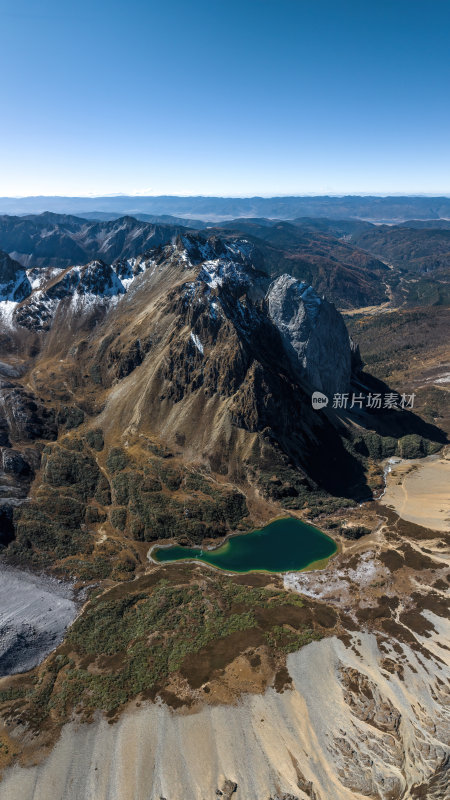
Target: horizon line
227, 196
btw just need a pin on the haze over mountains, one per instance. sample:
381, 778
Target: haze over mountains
383, 209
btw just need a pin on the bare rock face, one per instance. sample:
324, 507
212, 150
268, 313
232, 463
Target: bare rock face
228, 789
314, 334
23, 418
14, 284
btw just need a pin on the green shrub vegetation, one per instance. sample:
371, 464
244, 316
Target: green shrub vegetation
95, 440
98, 568
164, 501
70, 469
374, 446
135, 641
284, 485
117, 459
287, 641
41, 540
94, 515
49, 528
118, 517
103, 491
70, 417
414, 446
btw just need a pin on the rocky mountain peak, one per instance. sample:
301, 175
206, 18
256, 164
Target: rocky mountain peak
98, 278
314, 334
8, 268
195, 248
228, 281
228, 266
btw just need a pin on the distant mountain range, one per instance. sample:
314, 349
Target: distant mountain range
380, 209
322, 257
350, 262
62, 240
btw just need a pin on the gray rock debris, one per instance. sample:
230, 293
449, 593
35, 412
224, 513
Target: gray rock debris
34, 613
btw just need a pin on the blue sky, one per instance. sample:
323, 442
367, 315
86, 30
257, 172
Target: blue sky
224, 97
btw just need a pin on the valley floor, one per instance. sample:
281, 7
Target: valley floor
418, 490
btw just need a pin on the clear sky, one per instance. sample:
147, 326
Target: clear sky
224, 97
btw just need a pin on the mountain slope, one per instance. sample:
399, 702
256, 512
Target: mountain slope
167, 397
419, 250
192, 350
177, 350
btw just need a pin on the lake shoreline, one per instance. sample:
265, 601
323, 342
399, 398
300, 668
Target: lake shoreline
318, 563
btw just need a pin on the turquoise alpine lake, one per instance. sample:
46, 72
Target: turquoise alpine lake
285, 545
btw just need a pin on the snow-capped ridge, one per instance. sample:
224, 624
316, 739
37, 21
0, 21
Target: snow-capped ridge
99, 279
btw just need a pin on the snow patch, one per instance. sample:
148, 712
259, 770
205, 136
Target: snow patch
7, 308
197, 342
38, 277
212, 273
444, 379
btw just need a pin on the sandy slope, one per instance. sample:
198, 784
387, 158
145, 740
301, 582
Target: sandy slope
419, 491
325, 736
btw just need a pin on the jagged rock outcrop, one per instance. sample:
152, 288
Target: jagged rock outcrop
24, 418
314, 335
82, 287
14, 283
13, 463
